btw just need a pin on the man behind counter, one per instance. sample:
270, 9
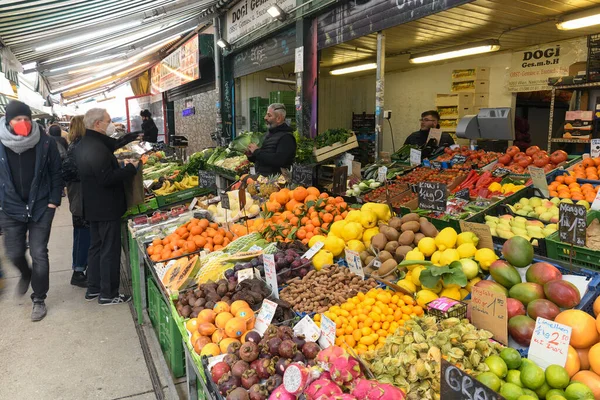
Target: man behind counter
429, 119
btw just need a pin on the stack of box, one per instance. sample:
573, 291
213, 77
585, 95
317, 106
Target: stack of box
579, 125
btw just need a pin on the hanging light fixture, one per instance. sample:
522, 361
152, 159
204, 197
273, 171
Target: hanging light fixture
579, 20
224, 44
353, 68
276, 12
469, 49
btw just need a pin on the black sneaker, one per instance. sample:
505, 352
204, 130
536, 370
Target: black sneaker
39, 311
79, 279
120, 299
91, 296
23, 286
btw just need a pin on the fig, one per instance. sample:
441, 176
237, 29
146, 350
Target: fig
248, 351
239, 368
287, 349
249, 378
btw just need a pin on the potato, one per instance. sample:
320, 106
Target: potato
384, 256
395, 223
418, 237
406, 238
428, 229
410, 217
411, 226
392, 246
401, 252
379, 241
390, 233
387, 267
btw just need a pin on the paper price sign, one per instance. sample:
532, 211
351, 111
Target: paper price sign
382, 174
489, 312
265, 316
308, 329
252, 171
596, 203
327, 332
482, 231
354, 263
244, 274
572, 225
595, 148
415, 157
313, 250
549, 343
538, 176
271, 273
193, 204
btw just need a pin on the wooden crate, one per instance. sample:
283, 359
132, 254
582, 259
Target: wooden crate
327, 152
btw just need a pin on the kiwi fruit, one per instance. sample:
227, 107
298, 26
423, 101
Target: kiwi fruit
410, 217
364, 255
387, 267
406, 238
379, 241
368, 260
418, 237
384, 256
392, 246
401, 252
395, 223
390, 233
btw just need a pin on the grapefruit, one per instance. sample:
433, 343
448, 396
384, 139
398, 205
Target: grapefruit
573, 365
597, 306
594, 357
584, 332
583, 358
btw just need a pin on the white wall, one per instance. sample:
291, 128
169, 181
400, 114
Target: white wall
407, 94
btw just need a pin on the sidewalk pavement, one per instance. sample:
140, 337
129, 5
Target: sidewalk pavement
81, 350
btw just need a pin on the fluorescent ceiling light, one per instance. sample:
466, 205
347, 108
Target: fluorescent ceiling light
461, 51
355, 68
276, 12
29, 66
93, 67
96, 60
283, 81
224, 44
579, 20
83, 38
101, 75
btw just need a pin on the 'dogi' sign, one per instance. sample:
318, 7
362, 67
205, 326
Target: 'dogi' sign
249, 15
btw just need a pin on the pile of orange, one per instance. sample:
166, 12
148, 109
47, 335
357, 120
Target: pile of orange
566, 186
198, 234
364, 321
212, 331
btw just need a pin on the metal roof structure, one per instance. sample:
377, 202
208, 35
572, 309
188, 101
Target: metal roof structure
77, 42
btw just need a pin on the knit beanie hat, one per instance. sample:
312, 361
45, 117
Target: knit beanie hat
16, 108
54, 130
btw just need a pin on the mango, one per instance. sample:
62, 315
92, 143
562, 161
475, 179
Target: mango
505, 274
518, 251
542, 308
493, 286
526, 292
514, 307
562, 293
521, 329
542, 273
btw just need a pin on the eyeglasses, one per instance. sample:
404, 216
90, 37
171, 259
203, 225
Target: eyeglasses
279, 108
428, 120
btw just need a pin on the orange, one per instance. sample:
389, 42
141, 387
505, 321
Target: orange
200, 343
313, 191
207, 315
196, 230
210, 350
222, 318
573, 364
300, 193
238, 305
282, 197
235, 327
589, 379
181, 231
583, 358
597, 306
206, 329
292, 204
150, 250
192, 325
203, 223
583, 327
309, 198
560, 178
226, 342
588, 162
218, 336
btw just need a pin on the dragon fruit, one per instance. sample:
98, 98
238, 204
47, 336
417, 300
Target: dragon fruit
361, 388
322, 387
373, 390
325, 357
344, 396
344, 369
281, 394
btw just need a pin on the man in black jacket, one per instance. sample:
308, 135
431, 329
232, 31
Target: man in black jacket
149, 127
31, 188
103, 192
278, 149
429, 119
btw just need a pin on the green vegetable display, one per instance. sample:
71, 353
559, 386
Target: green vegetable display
332, 136
304, 149
241, 143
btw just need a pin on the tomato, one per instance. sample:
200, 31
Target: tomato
505, 159
548, 167
512, 150
532, 150
558, 156
525, 161
540, 159
519, 155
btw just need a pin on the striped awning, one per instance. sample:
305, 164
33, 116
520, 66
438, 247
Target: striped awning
35, 113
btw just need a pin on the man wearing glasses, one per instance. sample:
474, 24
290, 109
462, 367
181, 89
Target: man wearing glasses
429, 119
279, 146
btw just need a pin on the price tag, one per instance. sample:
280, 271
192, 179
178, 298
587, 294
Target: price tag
308, 329
225, 201
382, 174
435, 134
595, 148
207, 179
458, 385
244, 274
193, 203
489, 312
242, 198
415, 157
271, 273
313, 250
255, 248
265, 316
538, 176
463, 194
432, 196
549, 343
302, 175
252, 171
596, 204
482, 231
458, 159
572, 224
354, 263
327, 332
499, 172
340, 180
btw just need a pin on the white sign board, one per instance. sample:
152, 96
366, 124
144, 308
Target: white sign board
299, 64
415, 157
271, 273
595, 148
550, 343
248, 15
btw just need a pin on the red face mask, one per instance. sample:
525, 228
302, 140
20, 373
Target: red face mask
22, 128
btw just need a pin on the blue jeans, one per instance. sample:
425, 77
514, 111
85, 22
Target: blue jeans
81, 246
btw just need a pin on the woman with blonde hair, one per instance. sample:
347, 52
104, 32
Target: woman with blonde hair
81, 227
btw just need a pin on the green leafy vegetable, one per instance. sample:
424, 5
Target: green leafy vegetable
450, 274
332, 136
304, 149
241, 143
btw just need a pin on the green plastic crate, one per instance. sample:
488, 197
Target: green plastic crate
181, 196
136, 284
284, 96
150, 205
256, 103
170, 340
153, 294
580, 256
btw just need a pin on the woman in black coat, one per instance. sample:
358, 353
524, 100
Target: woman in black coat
149, 127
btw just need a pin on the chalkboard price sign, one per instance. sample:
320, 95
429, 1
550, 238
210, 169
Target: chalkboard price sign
432, 196
458, 159
302, 175
340, 180
225, 201
207, 179
463, 194
499, 172
572, 224
458, 385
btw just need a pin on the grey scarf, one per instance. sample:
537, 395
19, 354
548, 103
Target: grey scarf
16, 143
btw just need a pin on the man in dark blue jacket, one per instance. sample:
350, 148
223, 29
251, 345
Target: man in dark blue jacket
30, 191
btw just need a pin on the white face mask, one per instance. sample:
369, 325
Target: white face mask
110, 129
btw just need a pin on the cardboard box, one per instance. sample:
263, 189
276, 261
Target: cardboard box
481, 100
471, 74
477, 86
579, 115
460, 100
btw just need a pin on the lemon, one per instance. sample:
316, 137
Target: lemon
382, 210
337, 228
368, 235
448, 256
469, 267
424, 296
414, 255
353, 216
352, 230
466, 250
368, 219
435, 257
451, 293
322, 258
334, 245
485, 257
427, 246
317, 238
415, 275
446, 239
407, 284
356, 245
472, 283
463, 293
467, 237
